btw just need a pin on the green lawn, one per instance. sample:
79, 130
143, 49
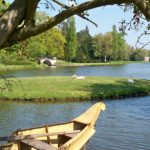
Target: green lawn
67, 88
62, 63
20, 67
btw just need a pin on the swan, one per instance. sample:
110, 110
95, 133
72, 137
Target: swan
130, 80
78, 77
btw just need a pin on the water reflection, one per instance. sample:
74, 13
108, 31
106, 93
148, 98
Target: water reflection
124, 125
138, 70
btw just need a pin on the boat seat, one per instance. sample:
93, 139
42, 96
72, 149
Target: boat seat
71, 135
63, 138
39, 145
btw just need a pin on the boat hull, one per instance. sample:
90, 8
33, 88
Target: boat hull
72, 135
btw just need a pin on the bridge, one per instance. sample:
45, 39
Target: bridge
47, 61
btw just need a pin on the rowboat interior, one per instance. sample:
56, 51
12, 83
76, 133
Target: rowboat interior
72, 135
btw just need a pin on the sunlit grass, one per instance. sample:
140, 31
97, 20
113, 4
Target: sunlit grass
62, 63
67, 88
59, 62
20, 67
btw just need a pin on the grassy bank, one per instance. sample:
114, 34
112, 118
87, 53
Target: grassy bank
66, 88
20, 67
61, 63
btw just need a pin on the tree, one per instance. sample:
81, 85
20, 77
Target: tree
84, 46
70, 49
139, 54
50, 43
18, 25
148, 53
118, 44
126, 52
111, 46
102, 45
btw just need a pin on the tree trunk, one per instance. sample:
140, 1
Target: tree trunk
105, 58
10, 20
30, 12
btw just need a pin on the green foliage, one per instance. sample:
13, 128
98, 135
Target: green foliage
41, 17
102, 45
148, 53
56, 43
35, 49
13, 58
139, 54
115, 43
110, 46
3, 6
84, 46
49, 43
66, 44
71, 43
118, 44
64, 26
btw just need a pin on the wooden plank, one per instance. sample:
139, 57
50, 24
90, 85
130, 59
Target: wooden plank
62, 139
71, 135
39, 145
48, 137
40, 127
5, 146
32, 136
80, 140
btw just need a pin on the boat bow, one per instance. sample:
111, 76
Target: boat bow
91, 115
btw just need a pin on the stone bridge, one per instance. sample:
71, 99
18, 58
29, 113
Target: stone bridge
48, 61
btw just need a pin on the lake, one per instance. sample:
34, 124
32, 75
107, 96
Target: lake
137, 70
123, 126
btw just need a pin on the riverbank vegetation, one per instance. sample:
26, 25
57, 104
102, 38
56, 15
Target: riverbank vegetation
59, 63
73, 49
32, 65
67, 88
68, 45
111, 63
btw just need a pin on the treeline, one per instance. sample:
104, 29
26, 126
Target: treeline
66, 44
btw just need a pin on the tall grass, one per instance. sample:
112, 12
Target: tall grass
67, 88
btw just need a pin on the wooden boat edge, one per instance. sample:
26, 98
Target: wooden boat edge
100, 106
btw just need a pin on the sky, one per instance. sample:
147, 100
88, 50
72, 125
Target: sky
105, 17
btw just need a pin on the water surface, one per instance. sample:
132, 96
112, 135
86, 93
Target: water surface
137, 70
125, 125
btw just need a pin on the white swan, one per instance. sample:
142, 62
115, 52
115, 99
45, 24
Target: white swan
130, 80
78, 77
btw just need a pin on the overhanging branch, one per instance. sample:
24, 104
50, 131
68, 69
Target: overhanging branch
23, 34
80, 15
28, 32
144, 7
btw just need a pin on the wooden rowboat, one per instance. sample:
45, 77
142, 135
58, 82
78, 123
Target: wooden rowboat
72, 135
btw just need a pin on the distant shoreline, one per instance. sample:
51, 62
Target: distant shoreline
62, 63
65, 88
